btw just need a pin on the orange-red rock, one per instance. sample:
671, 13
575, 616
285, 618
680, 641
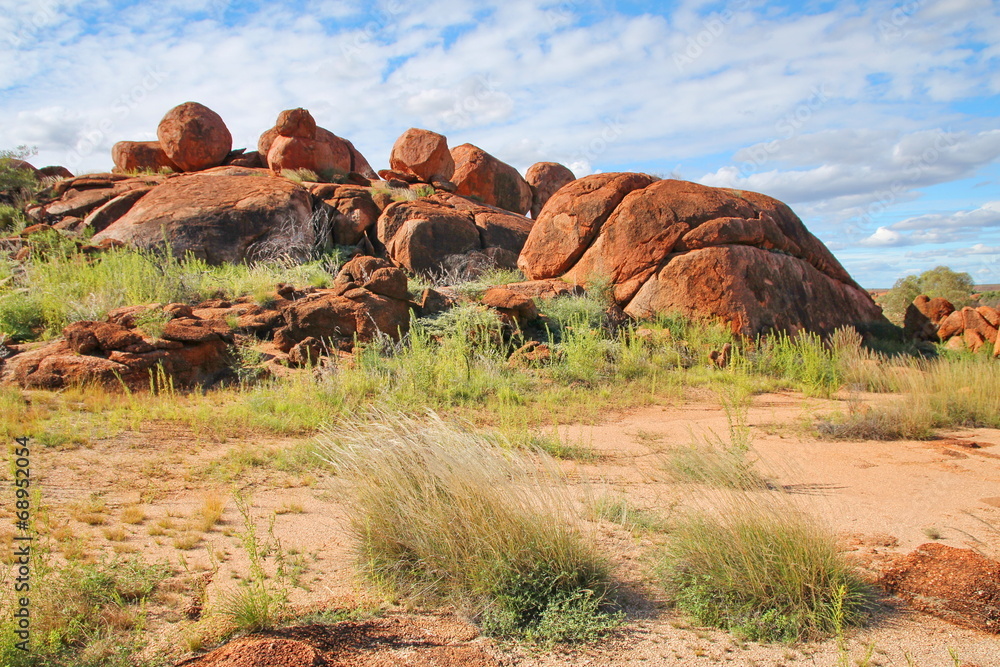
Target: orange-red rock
222, 215
484, 178
754, 291
571, 220
194, 137
296, 123
545, 179
141, 155
422, 154
297, 153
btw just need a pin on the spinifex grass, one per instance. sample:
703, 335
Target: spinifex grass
940, 393
442, 514
751, 563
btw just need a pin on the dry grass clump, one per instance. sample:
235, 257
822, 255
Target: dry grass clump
445, 515
210, 512
940, 393
750, 563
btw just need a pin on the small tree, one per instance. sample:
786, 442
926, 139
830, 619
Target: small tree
14, 179
941, 281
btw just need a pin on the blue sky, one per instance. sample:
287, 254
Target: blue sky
878, 122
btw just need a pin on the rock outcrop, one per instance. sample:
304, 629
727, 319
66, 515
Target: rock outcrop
668, 245
421, 235
142, 346
194, 137
936, 320
484, 178
229, 214
131, 156
297, 142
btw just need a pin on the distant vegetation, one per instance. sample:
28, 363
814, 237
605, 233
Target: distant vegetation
954, 286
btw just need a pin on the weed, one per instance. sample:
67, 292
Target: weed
257, 603
443, 514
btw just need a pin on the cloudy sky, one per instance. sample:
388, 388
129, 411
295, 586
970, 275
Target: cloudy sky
878, 122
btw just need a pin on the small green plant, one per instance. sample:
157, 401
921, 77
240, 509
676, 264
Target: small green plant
153, 322
445, 515
258, 602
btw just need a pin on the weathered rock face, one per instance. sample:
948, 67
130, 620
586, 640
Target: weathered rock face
481, 176
670, 245
545, 179
369, 299
422, 154
140, 155
297, 153
348, 212
572, 220
230, 214
112, 355
753, 290
194, 137
421, 235
296, 123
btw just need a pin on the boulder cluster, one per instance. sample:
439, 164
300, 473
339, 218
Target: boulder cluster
660, 245
937, 321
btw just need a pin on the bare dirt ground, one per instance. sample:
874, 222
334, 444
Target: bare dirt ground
881, 498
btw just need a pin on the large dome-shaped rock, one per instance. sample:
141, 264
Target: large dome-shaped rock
296, 123
422, 154
194, 137
669, 245
483, 177
140, 156
545, 179
228, 214
754, 290
421, 235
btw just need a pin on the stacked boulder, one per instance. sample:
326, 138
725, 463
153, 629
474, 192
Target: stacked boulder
936, 320
297, 142
190, 137
545, 179
707, 253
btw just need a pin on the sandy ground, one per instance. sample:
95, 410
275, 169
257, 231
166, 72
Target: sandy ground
880, 498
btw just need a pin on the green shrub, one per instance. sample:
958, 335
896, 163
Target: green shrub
16, 181
445, 515
757, 567
954, 286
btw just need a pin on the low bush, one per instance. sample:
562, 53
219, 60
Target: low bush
443, 514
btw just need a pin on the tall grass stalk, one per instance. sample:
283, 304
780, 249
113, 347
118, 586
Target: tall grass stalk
444, 515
